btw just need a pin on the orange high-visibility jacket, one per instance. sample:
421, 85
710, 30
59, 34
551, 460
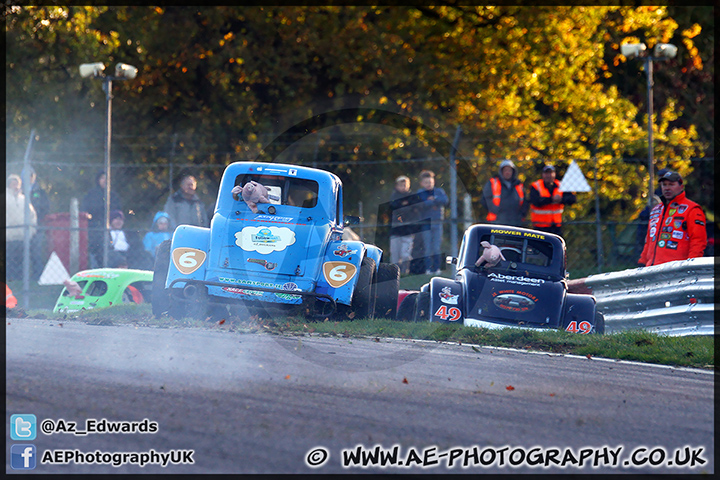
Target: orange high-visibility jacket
676, 231
496, 191
10, 300
550, 214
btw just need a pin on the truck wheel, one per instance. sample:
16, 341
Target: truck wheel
363, 299
422, 307
160, 295
406, 311
599, 323
388, 284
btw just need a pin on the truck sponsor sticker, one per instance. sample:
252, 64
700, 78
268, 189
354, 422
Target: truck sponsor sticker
264, 263
514, 300
446, 296
521, 234
290, 286
273, 218
520, 280
97, 275
241, 291
187, 260
264, 240
344, 251
338, 274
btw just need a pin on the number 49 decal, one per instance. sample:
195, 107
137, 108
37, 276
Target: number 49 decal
451, 314
582, 327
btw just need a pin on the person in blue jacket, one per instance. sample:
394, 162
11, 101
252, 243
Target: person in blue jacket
431, 212
160, 231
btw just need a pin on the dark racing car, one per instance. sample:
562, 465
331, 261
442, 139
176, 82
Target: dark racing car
526, 288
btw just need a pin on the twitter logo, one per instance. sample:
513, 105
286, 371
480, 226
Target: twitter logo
23, 427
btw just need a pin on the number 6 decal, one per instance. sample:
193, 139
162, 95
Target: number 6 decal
187, 260
338, 274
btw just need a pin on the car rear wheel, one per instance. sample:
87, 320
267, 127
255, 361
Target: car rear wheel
422, 307
406, 310
160, 295
388, 284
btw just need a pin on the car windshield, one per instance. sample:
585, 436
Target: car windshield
521, 250
296, 192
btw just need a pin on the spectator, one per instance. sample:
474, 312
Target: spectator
184, 206
677, 229
94, 204
41, 203
547, 202
430, 210
160, 231
14, 233
401, 240
504, 197
118, 257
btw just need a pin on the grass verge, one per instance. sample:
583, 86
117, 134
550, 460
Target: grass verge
641, 346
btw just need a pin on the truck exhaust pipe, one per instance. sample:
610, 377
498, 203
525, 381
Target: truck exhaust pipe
190, 291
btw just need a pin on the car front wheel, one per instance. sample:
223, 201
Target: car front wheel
422, 307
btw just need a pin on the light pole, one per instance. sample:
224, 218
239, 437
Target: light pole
662, 51
123, 71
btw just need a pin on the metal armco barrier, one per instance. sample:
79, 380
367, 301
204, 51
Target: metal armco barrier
675, 298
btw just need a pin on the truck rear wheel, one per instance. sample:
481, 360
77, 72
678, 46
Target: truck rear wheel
388, 284
599, 323
160, 295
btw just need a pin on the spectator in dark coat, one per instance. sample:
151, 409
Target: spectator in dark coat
504, 197
431, 210
185, 207
41, 204
94, 204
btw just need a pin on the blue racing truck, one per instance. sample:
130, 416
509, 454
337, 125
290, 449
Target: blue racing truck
282, 256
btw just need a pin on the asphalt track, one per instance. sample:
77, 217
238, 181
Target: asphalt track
260, 403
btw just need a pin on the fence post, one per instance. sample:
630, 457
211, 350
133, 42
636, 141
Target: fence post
467, 211
453, 193
26, 187
597, 221
74, 236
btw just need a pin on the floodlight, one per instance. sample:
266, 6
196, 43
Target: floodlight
91, 69
631, 50
123, 70
667, 50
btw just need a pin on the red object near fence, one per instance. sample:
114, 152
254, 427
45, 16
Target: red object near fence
58, 238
